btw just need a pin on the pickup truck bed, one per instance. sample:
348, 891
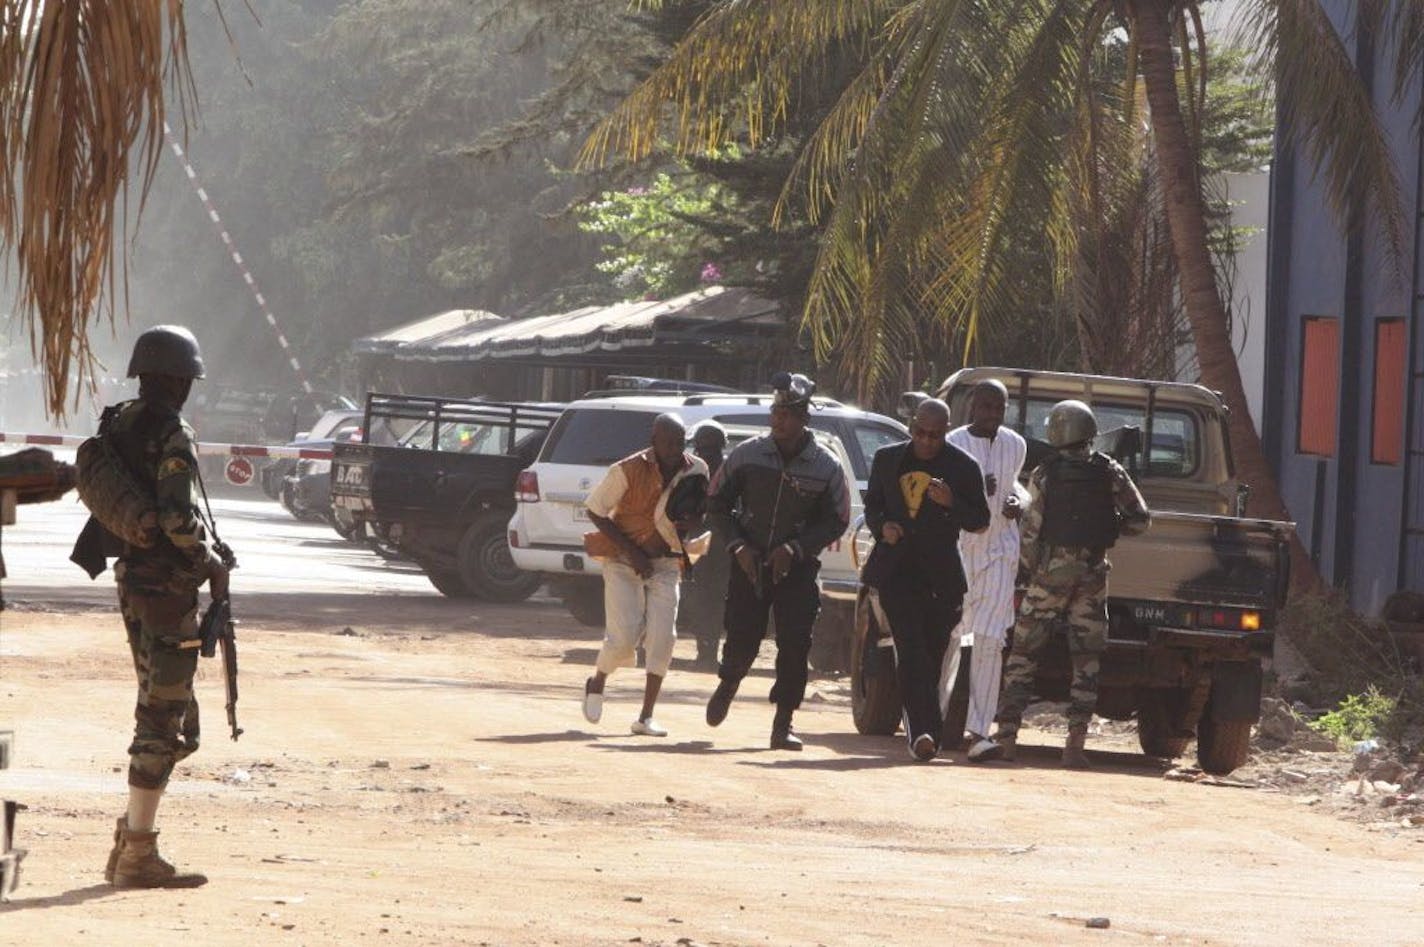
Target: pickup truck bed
443, 494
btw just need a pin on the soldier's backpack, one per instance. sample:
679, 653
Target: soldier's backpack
111, 491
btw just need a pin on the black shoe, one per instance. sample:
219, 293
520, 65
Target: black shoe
781, 736
785, 739
721, 702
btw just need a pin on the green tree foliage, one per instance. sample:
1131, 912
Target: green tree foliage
653, 242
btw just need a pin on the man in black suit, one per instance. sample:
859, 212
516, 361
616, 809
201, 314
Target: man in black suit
921, 494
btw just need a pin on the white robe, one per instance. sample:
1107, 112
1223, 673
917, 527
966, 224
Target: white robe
991, 561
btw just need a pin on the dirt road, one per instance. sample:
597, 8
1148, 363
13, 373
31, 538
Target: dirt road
429, 780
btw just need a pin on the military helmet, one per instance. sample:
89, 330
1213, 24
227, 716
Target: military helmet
1071, 422
166, 350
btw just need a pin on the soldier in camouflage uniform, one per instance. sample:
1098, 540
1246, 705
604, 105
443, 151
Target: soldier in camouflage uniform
158, 595
1080, 501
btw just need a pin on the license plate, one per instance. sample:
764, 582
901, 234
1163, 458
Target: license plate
1153, 613
350, 476
581, 514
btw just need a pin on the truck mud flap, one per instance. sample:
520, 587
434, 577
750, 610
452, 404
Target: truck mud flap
1235, 691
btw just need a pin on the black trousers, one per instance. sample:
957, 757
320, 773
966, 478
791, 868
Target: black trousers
794, 601
921, 619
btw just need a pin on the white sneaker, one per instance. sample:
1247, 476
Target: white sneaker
592, 704
647, 728
984, 750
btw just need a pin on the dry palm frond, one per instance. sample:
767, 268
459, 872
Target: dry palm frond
81, 97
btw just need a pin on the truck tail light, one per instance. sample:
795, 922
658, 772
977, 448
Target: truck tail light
1232, 619
526, 488
514, 539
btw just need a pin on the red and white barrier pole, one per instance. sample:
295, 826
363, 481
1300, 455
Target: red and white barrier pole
242, 269
208, 448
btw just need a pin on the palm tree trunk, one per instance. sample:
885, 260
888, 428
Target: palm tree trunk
1186, 218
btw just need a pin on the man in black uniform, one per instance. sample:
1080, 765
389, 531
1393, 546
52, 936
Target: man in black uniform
781, 498
921, 494
158, 595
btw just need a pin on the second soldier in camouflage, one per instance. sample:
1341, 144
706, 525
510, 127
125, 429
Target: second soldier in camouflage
1080, 501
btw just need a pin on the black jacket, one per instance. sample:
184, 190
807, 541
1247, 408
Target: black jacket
930, 548
763, 500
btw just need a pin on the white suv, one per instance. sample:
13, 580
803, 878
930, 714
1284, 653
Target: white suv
546, 531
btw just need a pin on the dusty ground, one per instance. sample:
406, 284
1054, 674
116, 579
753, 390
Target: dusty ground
429, 780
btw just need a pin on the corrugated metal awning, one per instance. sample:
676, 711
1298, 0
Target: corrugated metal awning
424, 329
705, 315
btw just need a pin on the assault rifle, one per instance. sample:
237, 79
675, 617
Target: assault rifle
218, 629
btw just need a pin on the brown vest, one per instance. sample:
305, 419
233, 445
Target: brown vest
634, 515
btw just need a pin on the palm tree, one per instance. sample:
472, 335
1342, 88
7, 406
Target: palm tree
81, 110
954, 125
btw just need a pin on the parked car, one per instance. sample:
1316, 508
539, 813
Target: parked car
442, 495
546, 530
342, 424
1192, 603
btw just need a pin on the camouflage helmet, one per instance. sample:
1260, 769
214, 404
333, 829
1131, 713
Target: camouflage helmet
166, 350
1071, 422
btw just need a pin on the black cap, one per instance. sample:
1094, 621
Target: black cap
793, 391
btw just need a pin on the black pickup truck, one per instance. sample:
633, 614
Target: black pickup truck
434, 477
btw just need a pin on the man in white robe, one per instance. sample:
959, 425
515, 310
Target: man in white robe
991, 560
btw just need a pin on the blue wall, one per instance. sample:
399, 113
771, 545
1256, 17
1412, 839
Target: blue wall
1351, 512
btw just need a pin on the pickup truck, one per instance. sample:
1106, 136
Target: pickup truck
1193, 602
443, 490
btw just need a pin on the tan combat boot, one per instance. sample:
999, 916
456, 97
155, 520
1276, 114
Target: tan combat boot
1008, 744
1073, 755
120, 825
140, 866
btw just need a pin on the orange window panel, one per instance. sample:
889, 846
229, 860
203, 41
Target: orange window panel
1387, 441
1319, 386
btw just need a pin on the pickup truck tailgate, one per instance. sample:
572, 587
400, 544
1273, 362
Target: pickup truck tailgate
351, 478
1219, 560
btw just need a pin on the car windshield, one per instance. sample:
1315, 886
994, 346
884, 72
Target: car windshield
1175, 441
597, 438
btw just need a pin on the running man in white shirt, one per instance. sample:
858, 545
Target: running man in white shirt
991, 560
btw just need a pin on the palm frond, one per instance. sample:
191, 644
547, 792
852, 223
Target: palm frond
81, 97
735, 72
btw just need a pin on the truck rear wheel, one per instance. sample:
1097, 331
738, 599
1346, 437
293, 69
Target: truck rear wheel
1158, 717
874, 689
487, 568
584, 600
1222, 745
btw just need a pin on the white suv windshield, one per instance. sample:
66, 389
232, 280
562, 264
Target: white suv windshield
597, 438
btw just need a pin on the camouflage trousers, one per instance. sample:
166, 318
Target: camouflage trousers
163, 637
1058, 596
